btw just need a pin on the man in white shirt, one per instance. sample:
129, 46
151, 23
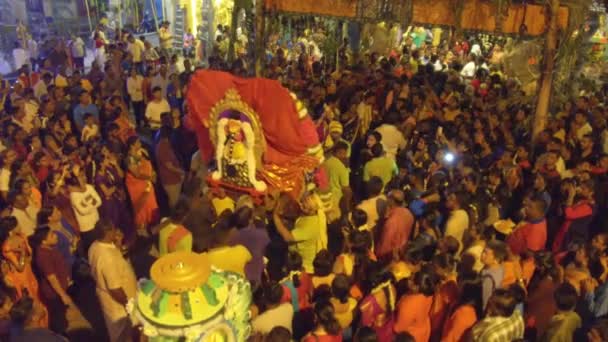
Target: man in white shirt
392, 137
32, 49
476, 50
162, 80
136, 94
25, 213
156, 108
78, 52
8, 158
85, 201
469, 69
114, 278
20, 56
372, 206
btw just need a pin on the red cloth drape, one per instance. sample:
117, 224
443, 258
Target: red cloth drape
287, 136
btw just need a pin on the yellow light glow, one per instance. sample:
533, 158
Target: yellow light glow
218, 3
194, 20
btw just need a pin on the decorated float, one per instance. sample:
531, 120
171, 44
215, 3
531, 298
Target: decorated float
188, 300
258, 134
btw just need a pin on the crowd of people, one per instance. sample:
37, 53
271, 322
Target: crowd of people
434, 218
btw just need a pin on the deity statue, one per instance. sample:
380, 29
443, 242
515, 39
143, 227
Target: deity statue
235, 155
259, 135
238, 143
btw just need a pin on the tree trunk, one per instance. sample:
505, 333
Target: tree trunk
544, 94
260, 25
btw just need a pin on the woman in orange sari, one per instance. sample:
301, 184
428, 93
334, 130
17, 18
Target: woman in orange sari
139, 180
121, 119
17, 267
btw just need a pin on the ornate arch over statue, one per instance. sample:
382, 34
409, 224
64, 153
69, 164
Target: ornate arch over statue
239, 143
258, 133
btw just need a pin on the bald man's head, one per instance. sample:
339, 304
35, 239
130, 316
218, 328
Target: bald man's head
396, 197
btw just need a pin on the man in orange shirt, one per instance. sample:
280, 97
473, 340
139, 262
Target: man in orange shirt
532, 233
397, 227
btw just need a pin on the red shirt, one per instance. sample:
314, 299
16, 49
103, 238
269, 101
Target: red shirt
532, 235
396, 233
49, 261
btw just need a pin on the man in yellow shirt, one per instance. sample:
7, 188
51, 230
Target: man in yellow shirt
222, 255
173, 236
166, 39
338, 174
309, 234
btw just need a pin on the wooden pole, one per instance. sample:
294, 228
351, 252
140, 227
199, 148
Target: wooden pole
544, 94
238, 5
260, 25
86, 5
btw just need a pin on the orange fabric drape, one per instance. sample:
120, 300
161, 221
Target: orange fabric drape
438, 12
481, 15
336, 8
535, 19
287, 136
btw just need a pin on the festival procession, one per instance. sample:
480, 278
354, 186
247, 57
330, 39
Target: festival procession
303, 170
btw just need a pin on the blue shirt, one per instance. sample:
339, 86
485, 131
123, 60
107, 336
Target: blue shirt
597, 301
81, 110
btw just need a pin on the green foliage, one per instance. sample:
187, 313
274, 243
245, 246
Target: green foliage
572, 53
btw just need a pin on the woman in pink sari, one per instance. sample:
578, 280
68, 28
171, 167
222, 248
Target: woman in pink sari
378, 307
139, 181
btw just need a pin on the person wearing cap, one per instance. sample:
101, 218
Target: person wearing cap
335, 134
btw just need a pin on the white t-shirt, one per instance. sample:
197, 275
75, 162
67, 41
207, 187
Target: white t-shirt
370, 206
20, 56
154, 110
77, 48
476, 50
281, 316
26, 219
85, 206
111, 271
468, 70
392, 139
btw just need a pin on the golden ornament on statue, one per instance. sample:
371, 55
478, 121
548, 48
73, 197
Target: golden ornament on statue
180, 271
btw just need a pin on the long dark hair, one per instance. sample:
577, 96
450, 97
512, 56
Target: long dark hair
324, 313
360, 244
293, 263
43, 215
470, 294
